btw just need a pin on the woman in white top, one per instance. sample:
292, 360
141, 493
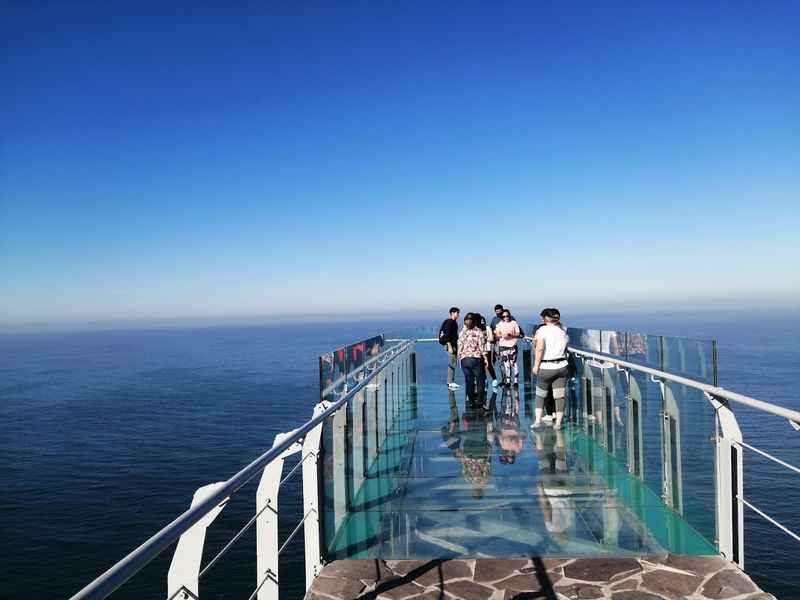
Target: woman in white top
550, 364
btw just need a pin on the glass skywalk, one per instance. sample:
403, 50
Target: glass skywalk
435, 475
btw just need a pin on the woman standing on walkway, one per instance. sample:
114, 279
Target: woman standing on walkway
507, 333
481, 323
471, 345
550, 364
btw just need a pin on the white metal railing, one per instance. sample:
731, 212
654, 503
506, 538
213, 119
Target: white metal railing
188, 529
729, 449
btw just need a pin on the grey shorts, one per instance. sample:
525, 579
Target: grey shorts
555, 379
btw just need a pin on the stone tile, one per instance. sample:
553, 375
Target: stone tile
390, 590
547, 564
467, 590
727, 584
551, 564
580, 591
493, 570
760, 596
625, 584
365, 570
634, 595
404, 567
671, 585
445, 571
522, 582
336, 587
600, 569
699, 565
429, 595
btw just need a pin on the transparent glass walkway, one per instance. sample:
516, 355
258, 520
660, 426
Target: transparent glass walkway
454, 478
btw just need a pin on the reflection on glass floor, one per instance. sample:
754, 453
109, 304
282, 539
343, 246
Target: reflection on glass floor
453, 478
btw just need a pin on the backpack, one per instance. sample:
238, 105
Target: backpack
442, 334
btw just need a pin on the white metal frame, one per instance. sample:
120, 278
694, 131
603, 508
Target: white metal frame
728, 454
183, 578
267, 522
209, 500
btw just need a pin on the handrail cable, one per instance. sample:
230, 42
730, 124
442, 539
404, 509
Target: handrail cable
260, 585
131, 564
294, 468
288, 539
295, 530
768, 518
769, 456
249, 524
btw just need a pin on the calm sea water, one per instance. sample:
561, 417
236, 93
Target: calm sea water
105, 436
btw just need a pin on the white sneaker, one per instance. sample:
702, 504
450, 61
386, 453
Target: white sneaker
494, 382
453, 386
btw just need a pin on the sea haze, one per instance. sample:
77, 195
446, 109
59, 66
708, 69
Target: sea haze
105, 436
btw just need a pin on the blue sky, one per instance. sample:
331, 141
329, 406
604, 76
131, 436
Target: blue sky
206, 160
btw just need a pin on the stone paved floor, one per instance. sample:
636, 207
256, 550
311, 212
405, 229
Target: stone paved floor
656, 578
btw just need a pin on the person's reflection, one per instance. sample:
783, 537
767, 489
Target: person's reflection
471, 440
510, 437
450, 433
491, 406
477, 437
555, 485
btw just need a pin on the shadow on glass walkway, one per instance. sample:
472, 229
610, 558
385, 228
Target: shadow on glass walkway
455, 478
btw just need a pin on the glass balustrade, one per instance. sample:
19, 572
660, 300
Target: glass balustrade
417, 470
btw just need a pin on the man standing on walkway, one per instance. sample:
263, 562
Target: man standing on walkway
448, 337
498, 318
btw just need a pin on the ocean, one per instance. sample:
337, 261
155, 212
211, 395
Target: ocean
105, 435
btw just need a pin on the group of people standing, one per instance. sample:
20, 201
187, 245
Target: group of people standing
479, 345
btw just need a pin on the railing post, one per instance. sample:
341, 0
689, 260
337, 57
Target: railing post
729, 483
184, 570
339, 443
371, 416
671, 439
267, 523
311, 499
414, 368
358, 442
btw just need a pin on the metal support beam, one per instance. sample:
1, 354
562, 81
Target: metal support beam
729, 483
311, 499
339, 443
184, 570
267, 522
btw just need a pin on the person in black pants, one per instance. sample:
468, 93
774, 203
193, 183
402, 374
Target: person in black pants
471, 345
448, 338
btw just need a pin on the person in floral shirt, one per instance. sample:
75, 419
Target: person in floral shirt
471, 345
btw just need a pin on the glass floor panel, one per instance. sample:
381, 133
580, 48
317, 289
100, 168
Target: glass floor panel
451, 478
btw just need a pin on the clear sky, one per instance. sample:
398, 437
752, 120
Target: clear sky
225, 159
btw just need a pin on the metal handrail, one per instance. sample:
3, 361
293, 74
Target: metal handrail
131, 564
711, 390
